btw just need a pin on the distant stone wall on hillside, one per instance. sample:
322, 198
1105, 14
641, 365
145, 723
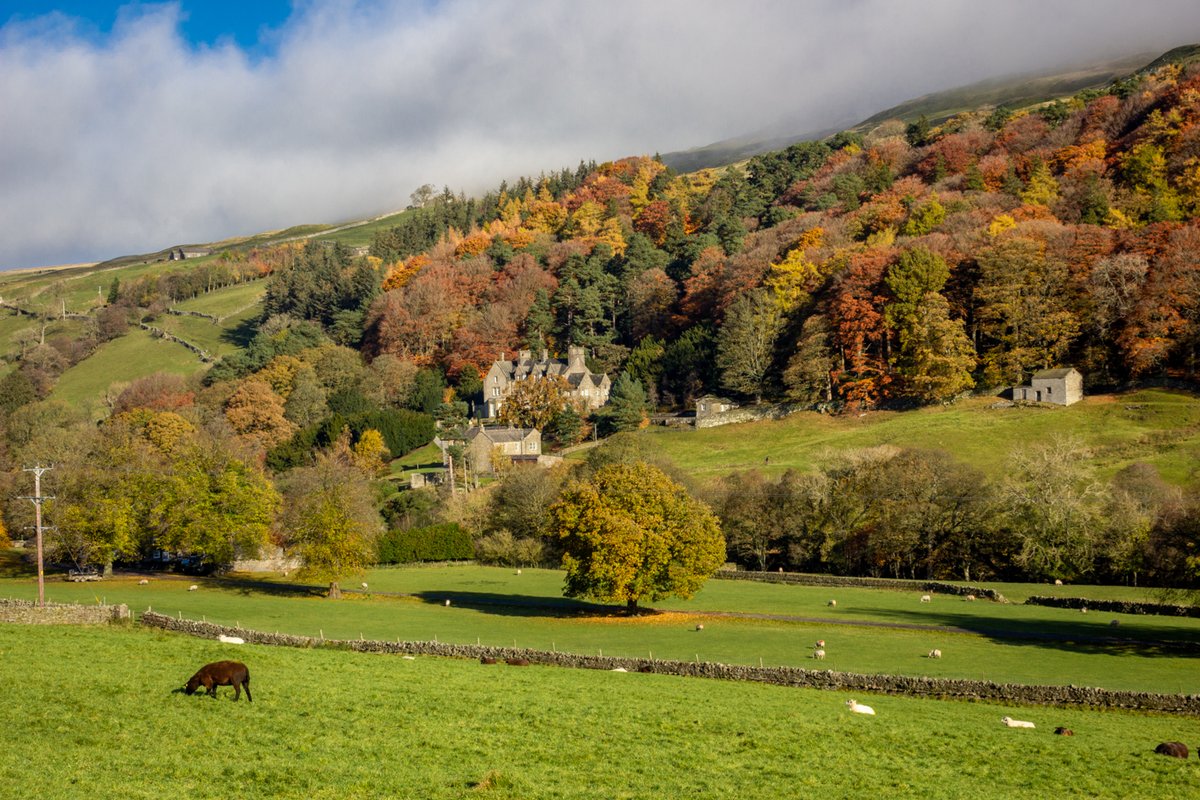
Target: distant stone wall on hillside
749, 414
915, 686
1115, 606
805, 579
25, 612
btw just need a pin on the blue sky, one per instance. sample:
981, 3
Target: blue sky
249, 23
129, 128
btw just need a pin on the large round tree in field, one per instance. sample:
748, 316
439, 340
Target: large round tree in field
630, 533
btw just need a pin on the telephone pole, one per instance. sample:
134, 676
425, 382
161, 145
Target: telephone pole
37, 518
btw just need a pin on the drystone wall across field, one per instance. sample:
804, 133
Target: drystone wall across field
805, 579
1115, 606
26, 612
915, 686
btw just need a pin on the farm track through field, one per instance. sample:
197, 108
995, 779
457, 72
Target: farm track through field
584, 608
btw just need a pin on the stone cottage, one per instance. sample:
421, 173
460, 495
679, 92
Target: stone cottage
522, 445
1062, 386
587, 389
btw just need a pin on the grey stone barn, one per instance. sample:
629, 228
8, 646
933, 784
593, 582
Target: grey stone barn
1062, 387
588, 390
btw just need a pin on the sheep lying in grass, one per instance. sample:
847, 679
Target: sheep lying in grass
926, 598
230, 639
1016, 723
143, 582
859, 708
935, 653
1061, 731
1175, 749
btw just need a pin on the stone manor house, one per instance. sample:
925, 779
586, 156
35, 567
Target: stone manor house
588, 390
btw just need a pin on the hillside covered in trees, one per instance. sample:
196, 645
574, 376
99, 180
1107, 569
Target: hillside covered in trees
907, 264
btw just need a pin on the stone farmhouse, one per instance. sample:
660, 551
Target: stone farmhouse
1062, 387
588, 390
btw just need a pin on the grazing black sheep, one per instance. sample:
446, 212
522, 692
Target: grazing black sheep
221, 673
1176, 749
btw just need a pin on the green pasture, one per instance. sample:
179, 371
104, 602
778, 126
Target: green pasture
131, 356
1156, 426
218, 339
226, 301
364, 234
94, 711
870, 630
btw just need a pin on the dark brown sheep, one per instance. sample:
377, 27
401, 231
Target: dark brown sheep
487, 660
1061, 731
221, 673
518, 662
1176, 749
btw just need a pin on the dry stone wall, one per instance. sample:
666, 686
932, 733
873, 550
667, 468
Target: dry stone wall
28, 613
803, 579
1115, 606
915, 686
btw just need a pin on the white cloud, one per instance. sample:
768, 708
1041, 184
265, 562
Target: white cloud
138, 141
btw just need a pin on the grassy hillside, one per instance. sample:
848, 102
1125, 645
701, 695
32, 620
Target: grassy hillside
132, 356
1156, 426
98, 716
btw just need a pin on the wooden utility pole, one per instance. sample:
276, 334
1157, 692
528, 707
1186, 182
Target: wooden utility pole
37, 518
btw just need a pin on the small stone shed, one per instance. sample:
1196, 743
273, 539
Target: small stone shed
1062, 386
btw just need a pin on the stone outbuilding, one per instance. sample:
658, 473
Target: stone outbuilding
1062, 386
522, 445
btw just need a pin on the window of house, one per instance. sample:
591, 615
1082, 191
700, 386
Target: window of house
495, 391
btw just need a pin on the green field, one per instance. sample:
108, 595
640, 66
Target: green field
744, 623
132, 356
1156, 426
227, 301
94, 712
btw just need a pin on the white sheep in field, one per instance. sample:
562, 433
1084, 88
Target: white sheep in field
1057, 582
859, 708
699, 626
832, 604
970, 597
364, 585
231, 639
1017, 723
926, 598
518, 571
820, 643
143, 582
819, 655
935, 653
193, 588
447, 602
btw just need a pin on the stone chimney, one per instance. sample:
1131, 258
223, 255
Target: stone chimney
523, 355
576, 359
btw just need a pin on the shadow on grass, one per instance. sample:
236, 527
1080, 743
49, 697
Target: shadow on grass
248, 586
516, 605
1083, 637
242, 334
14, 564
